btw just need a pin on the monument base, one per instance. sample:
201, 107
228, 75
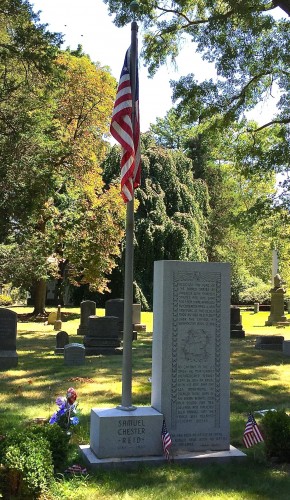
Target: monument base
196, 458
95, 351
8, 359
275, 320
118, 433
237, 334
59, 351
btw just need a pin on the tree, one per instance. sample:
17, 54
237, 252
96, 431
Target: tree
171, 218
56, 208
243, 224
249, 46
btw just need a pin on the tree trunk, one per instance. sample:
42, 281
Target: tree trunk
39, 297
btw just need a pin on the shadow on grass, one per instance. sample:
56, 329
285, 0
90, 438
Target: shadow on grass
244, 480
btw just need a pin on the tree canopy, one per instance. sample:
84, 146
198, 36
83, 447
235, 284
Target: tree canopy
248, 42
171, 214
54, 113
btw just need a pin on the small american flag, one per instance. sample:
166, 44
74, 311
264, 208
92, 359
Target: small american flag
166, 440
252, 433
127, 133
76, 469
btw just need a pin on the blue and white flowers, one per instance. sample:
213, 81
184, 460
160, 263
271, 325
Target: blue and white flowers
65, 416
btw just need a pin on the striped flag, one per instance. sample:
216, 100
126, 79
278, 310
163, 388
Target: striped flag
252, 433
76, 469
125, 133
166, 440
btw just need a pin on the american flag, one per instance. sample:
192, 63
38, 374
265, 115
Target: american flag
166, 439
125, 133
252, 433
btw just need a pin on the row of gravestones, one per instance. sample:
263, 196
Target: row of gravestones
102, 335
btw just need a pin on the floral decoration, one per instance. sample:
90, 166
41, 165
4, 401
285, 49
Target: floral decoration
65, 416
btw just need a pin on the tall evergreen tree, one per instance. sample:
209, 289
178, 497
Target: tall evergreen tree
171, 214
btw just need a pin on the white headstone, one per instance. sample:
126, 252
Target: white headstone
191, 353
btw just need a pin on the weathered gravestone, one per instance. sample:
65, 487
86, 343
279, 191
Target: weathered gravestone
191, 353
88, 308
74, 354
62, 339
286, 347
103, 336
58, 322
8, 332
277, 314
115, 307
237, 331
51, 319
136, 318
272, 342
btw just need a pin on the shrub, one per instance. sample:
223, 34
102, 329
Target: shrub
5, 300
58, 442
259, 292
28, 462
276, 430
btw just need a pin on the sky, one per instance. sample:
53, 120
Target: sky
88, 23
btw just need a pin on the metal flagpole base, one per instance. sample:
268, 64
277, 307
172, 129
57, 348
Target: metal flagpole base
126, 408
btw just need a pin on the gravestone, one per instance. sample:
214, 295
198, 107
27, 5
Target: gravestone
58, 322
272, 342
277, 314
51, 319
286, 347
136, 319
62, 339
191, 353
190, 376
8, 333
88, 308
237, 331
74, 354
115, 307
256, 307
103, 336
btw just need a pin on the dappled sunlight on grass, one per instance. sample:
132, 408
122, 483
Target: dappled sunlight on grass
259, 380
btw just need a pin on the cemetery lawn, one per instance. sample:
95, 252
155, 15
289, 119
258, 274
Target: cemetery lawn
259, 380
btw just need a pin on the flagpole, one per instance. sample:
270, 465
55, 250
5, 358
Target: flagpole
129, 256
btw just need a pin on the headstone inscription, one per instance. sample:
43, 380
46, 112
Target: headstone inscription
8, 332
74, 354
62, 339
237, 331
88, 308
191, 352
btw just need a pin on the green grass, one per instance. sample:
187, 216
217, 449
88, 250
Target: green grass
259, 380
